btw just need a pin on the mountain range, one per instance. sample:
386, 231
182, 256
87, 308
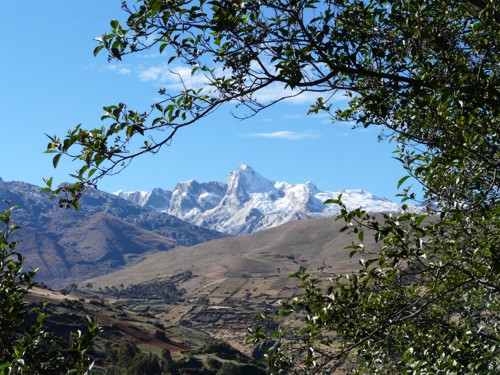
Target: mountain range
110, 233
106, 234
248, 202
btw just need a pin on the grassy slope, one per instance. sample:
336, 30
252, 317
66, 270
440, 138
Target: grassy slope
234, 279
309, 243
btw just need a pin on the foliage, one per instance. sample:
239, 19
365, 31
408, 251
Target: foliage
419, 68
129, 359
231, 368
426, 298
166, 359
126, 353
166, 290
421, 303
146, 364
26, 347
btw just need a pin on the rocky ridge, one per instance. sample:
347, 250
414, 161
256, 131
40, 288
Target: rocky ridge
248, 202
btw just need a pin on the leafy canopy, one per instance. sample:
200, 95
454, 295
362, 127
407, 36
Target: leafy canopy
426, 298
417, 67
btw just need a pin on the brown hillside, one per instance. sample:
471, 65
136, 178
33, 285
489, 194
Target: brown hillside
96, 246
221, 285
276, 252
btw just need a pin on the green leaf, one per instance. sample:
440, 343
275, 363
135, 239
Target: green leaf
162, 47
98, 49
48, 182
402, 180
55, 160
91, 172
361, 236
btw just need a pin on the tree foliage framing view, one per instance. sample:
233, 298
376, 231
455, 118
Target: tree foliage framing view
426, 298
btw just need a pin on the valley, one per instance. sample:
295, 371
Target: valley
222, 285
157, 281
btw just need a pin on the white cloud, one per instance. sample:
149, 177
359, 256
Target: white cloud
119, 69
287, 135
177, 77
343, 134
151, 74
124, 71
148, 56
267, 119
172, 77
275, 92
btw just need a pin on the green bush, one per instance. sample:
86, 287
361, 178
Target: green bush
26, 347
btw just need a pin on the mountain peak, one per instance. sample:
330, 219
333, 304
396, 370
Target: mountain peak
244, 167
246, 180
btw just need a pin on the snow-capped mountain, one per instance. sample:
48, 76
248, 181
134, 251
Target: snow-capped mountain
249, 202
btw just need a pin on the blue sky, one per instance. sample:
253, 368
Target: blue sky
50, 81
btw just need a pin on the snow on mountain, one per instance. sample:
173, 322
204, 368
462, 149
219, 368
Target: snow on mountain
191, 199
156, 198
248, 202
137, 197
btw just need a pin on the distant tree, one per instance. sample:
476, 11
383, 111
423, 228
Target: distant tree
166, 359
145, 364
213, 363
114, 370
231, 368
26, 347
426, 298
110, 351
126, 353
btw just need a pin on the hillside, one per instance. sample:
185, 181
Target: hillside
189, 348
221, 285
311, 243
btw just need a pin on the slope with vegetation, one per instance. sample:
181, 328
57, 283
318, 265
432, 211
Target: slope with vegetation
136, 343
41, 331
27, 346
